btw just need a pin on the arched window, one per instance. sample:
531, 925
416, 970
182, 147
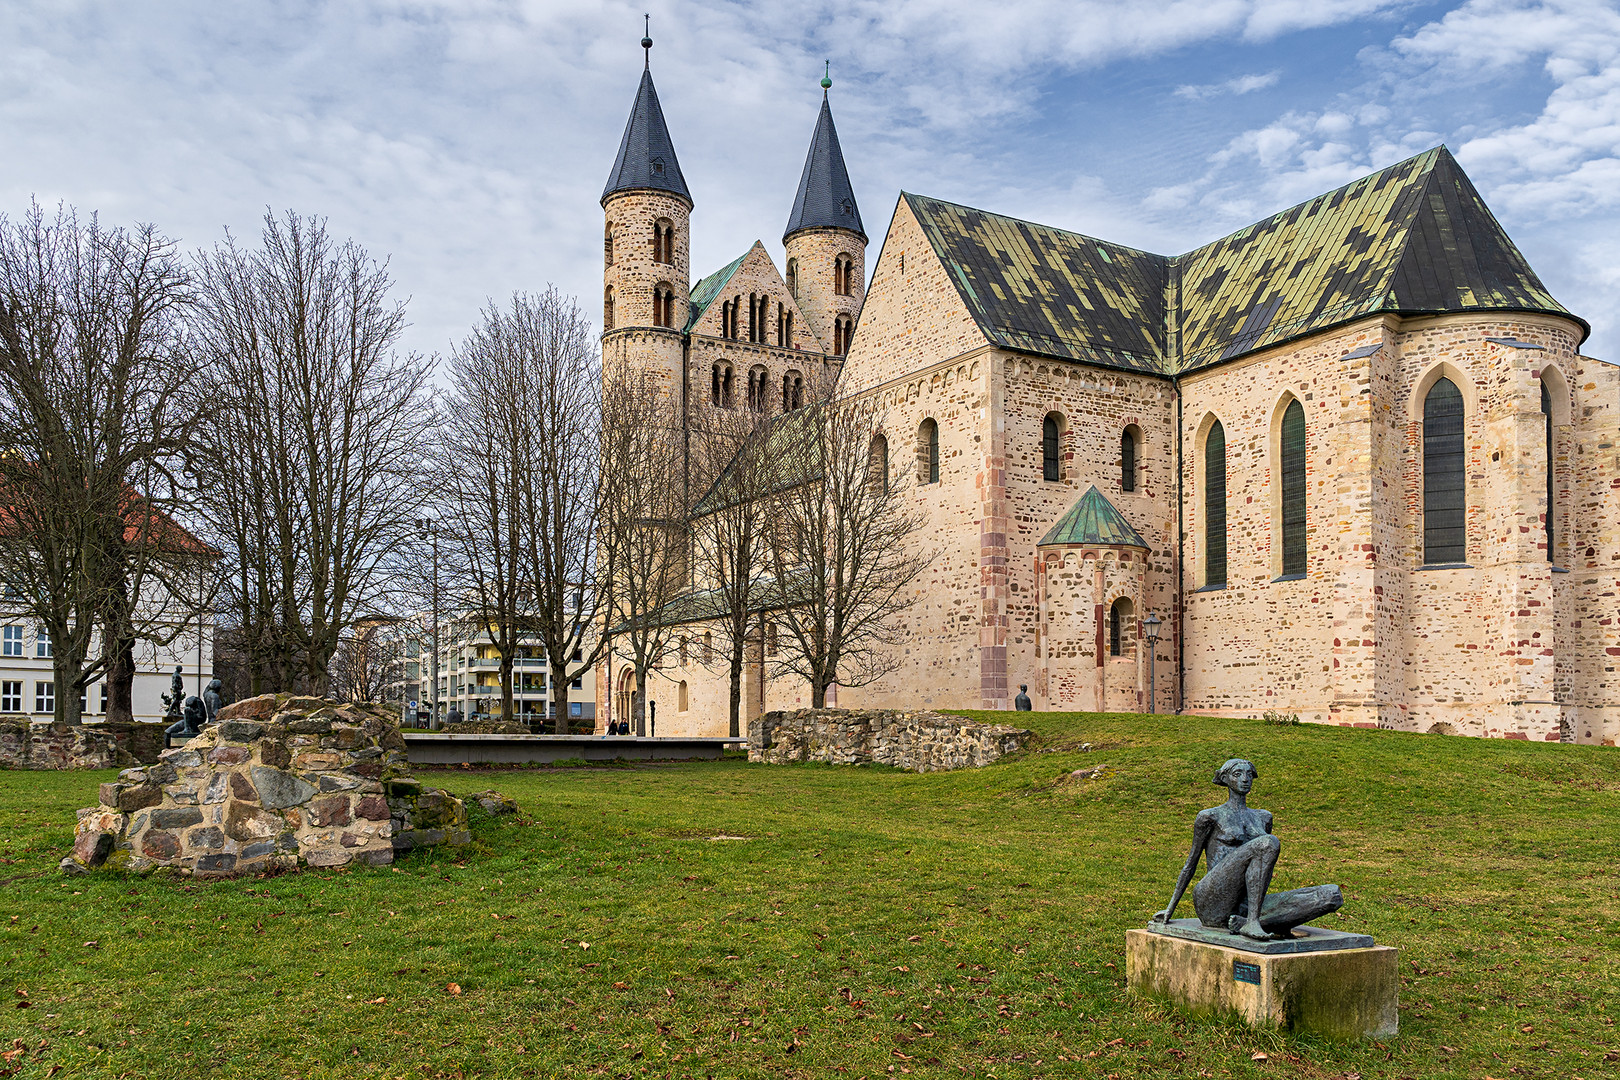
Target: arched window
843, 330
792, 391
720, 385
877, 464
793, 278
663, 305
607, 246
1051, 447
757, 386
680, 697
607, 308
843, 275
784, 326
1293, 489
683, 650
1215, 507
1128, 440
1547, 418
1445, 535
663, 241
756, 319
708, 647
928, 452
1120, 629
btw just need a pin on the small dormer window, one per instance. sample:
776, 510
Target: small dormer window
846, 207
658, 166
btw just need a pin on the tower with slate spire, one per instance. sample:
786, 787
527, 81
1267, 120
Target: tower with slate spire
647, 212
826, 243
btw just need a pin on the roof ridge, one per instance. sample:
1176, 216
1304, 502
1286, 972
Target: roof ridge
713, 283
1034, 224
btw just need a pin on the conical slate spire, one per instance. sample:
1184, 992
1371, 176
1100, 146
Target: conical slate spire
646, 154
825, 199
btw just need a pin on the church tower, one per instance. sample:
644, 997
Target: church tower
645, 246
826, 244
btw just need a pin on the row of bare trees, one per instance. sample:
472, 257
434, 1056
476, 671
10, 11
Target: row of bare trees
233, 429
257, 393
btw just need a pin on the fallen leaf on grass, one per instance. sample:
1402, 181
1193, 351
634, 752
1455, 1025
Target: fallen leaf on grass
1259, 1055
453, 989
378, 1001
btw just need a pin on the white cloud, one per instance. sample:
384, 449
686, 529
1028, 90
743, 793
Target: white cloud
1243, 84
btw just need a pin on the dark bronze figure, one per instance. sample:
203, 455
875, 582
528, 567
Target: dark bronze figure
1021, 703
1236, 842
176, 695
213, 698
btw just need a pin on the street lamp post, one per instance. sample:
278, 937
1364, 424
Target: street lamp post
427, 529
1151, 626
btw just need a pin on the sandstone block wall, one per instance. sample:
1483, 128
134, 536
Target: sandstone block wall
918, 741
278, 781
27, 745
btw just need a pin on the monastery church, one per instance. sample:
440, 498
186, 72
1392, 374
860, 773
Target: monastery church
1350, 455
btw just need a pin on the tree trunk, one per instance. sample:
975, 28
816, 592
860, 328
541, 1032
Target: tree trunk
506, 689
121, 683
739, 647
639, 701
559, 698
65, 674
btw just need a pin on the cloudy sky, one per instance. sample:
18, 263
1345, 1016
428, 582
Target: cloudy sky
468, 141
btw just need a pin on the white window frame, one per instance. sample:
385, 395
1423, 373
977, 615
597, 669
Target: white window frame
11, 696
43, 649
44, 696
11, 641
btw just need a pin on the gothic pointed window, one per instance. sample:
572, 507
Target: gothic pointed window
1293, 489
1215, 507
1547, 419
1445, 534
1051, 439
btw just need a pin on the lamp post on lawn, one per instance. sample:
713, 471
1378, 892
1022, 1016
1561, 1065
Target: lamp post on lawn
1151, 626
426, 528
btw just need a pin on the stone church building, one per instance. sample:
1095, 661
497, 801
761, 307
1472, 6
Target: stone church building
1350, 455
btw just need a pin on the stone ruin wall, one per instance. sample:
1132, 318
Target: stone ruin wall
28, 744
277, 782
917, 741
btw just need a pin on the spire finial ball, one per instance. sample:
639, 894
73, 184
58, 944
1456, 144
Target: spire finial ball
646, 41
826, 77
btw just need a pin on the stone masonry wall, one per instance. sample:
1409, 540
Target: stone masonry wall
918, 741
277, 781
27, 745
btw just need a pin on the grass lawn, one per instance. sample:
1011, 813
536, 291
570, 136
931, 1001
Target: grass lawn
867, 922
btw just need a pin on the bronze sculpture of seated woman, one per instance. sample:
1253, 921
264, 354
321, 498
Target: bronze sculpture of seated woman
1236, 843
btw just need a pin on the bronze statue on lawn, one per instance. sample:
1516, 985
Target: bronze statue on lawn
1235, 841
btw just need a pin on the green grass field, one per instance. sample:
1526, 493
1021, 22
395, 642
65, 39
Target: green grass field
863, 922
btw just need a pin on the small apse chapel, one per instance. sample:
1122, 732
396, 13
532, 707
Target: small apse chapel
1351, 455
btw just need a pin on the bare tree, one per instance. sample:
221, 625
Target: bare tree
313, 463
737, 452
844, 546
549, 344
368, 661
94, 425
480, 467
643, 523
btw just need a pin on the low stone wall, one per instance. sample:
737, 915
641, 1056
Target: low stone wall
923, 741
277, 781
41, 744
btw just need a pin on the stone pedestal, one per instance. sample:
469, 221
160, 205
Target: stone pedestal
1346, 993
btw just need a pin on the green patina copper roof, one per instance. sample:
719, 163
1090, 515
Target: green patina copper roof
704, 292
1415, 238
1093, 520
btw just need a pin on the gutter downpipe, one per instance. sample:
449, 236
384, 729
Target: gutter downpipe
1181, 547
